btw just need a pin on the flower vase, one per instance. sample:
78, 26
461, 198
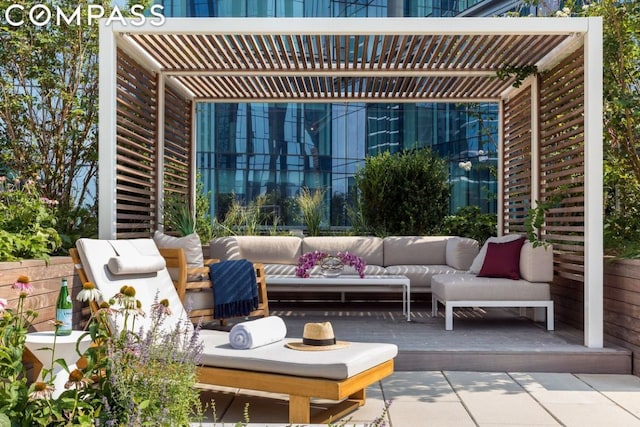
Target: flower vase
331, 266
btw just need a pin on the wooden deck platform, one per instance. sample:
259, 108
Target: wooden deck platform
488, 340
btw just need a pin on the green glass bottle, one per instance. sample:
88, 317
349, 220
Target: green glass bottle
64, 310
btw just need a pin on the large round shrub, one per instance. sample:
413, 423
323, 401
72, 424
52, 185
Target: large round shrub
405, 193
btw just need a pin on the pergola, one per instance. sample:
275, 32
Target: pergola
550, 127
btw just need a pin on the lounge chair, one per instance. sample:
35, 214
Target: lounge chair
338, 375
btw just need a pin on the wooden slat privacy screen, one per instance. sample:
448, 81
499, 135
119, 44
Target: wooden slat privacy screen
136, 150
562, 175
517, 161
177, 146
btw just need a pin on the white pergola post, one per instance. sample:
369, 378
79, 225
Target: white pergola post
593, 239
160, 152
107, 133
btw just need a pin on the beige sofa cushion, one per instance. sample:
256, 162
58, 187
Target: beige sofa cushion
368, 248
469, 287
263, 249
461, 251
192, 251
536, 264
417, 250
420, 275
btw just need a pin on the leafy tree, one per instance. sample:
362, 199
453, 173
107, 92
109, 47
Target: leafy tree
621, 88
48, 107
404, 193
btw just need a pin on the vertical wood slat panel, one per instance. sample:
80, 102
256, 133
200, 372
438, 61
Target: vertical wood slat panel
562, 166
136, 138
517, 162
177, 150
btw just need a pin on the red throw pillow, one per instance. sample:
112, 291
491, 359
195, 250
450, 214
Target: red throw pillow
502, 260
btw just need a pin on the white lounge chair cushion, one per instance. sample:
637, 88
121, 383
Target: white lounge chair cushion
95, 254
278, 358
420, 275
469, 287
136, 265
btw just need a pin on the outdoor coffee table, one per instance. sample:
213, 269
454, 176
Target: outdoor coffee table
344, 283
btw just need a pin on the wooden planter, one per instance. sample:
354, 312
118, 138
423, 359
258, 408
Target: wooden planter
622, 306
45, 279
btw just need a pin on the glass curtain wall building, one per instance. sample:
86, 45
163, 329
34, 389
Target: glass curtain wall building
252, 149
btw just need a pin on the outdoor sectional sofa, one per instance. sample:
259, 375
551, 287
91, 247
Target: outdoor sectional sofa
445, 266
417, 257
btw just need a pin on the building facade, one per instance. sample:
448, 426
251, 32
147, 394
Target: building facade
273, 150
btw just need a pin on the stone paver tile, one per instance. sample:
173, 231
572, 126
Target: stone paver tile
574, 402
558, 388
494, 398
418, 413
622, 389
426, 386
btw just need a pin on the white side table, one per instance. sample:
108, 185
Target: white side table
40, 345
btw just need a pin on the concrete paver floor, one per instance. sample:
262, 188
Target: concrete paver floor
456, 398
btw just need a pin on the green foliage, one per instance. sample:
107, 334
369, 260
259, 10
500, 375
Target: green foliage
535, 218
622, 211
241, 220
519, 73
204, 225
621, 89
177, 214
468, 221
49, 108
404, 193
27, 221
310, 204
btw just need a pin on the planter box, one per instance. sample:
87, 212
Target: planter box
622, 306
45, 279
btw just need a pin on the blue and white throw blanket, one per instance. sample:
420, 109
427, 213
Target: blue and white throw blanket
235, 292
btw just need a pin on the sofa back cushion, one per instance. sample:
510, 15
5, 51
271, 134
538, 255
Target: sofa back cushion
368, 248
415, 250
536, 264
264, 249
461, 251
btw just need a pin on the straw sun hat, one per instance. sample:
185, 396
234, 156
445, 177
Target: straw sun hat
318, 337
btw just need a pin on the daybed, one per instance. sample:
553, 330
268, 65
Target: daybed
417, 257
338, 375
531, 266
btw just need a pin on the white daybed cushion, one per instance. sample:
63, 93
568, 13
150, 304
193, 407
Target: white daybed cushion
278, 358
95, 254
136, 265
469, 287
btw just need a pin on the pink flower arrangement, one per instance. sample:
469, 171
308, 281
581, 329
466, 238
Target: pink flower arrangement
308, 260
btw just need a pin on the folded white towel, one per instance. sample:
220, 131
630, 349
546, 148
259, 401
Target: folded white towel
256, 333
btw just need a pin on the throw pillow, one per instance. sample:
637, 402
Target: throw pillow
192, 251
478, 261
502, 260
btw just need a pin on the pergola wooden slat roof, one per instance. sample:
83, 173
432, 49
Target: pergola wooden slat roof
550, 128
333, 62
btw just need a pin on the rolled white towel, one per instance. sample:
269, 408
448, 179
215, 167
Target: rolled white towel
256, 333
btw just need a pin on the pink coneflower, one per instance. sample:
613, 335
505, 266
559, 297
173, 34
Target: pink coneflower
162, 307
3, 304
89, 292
41, 390
23, 285
77, 380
